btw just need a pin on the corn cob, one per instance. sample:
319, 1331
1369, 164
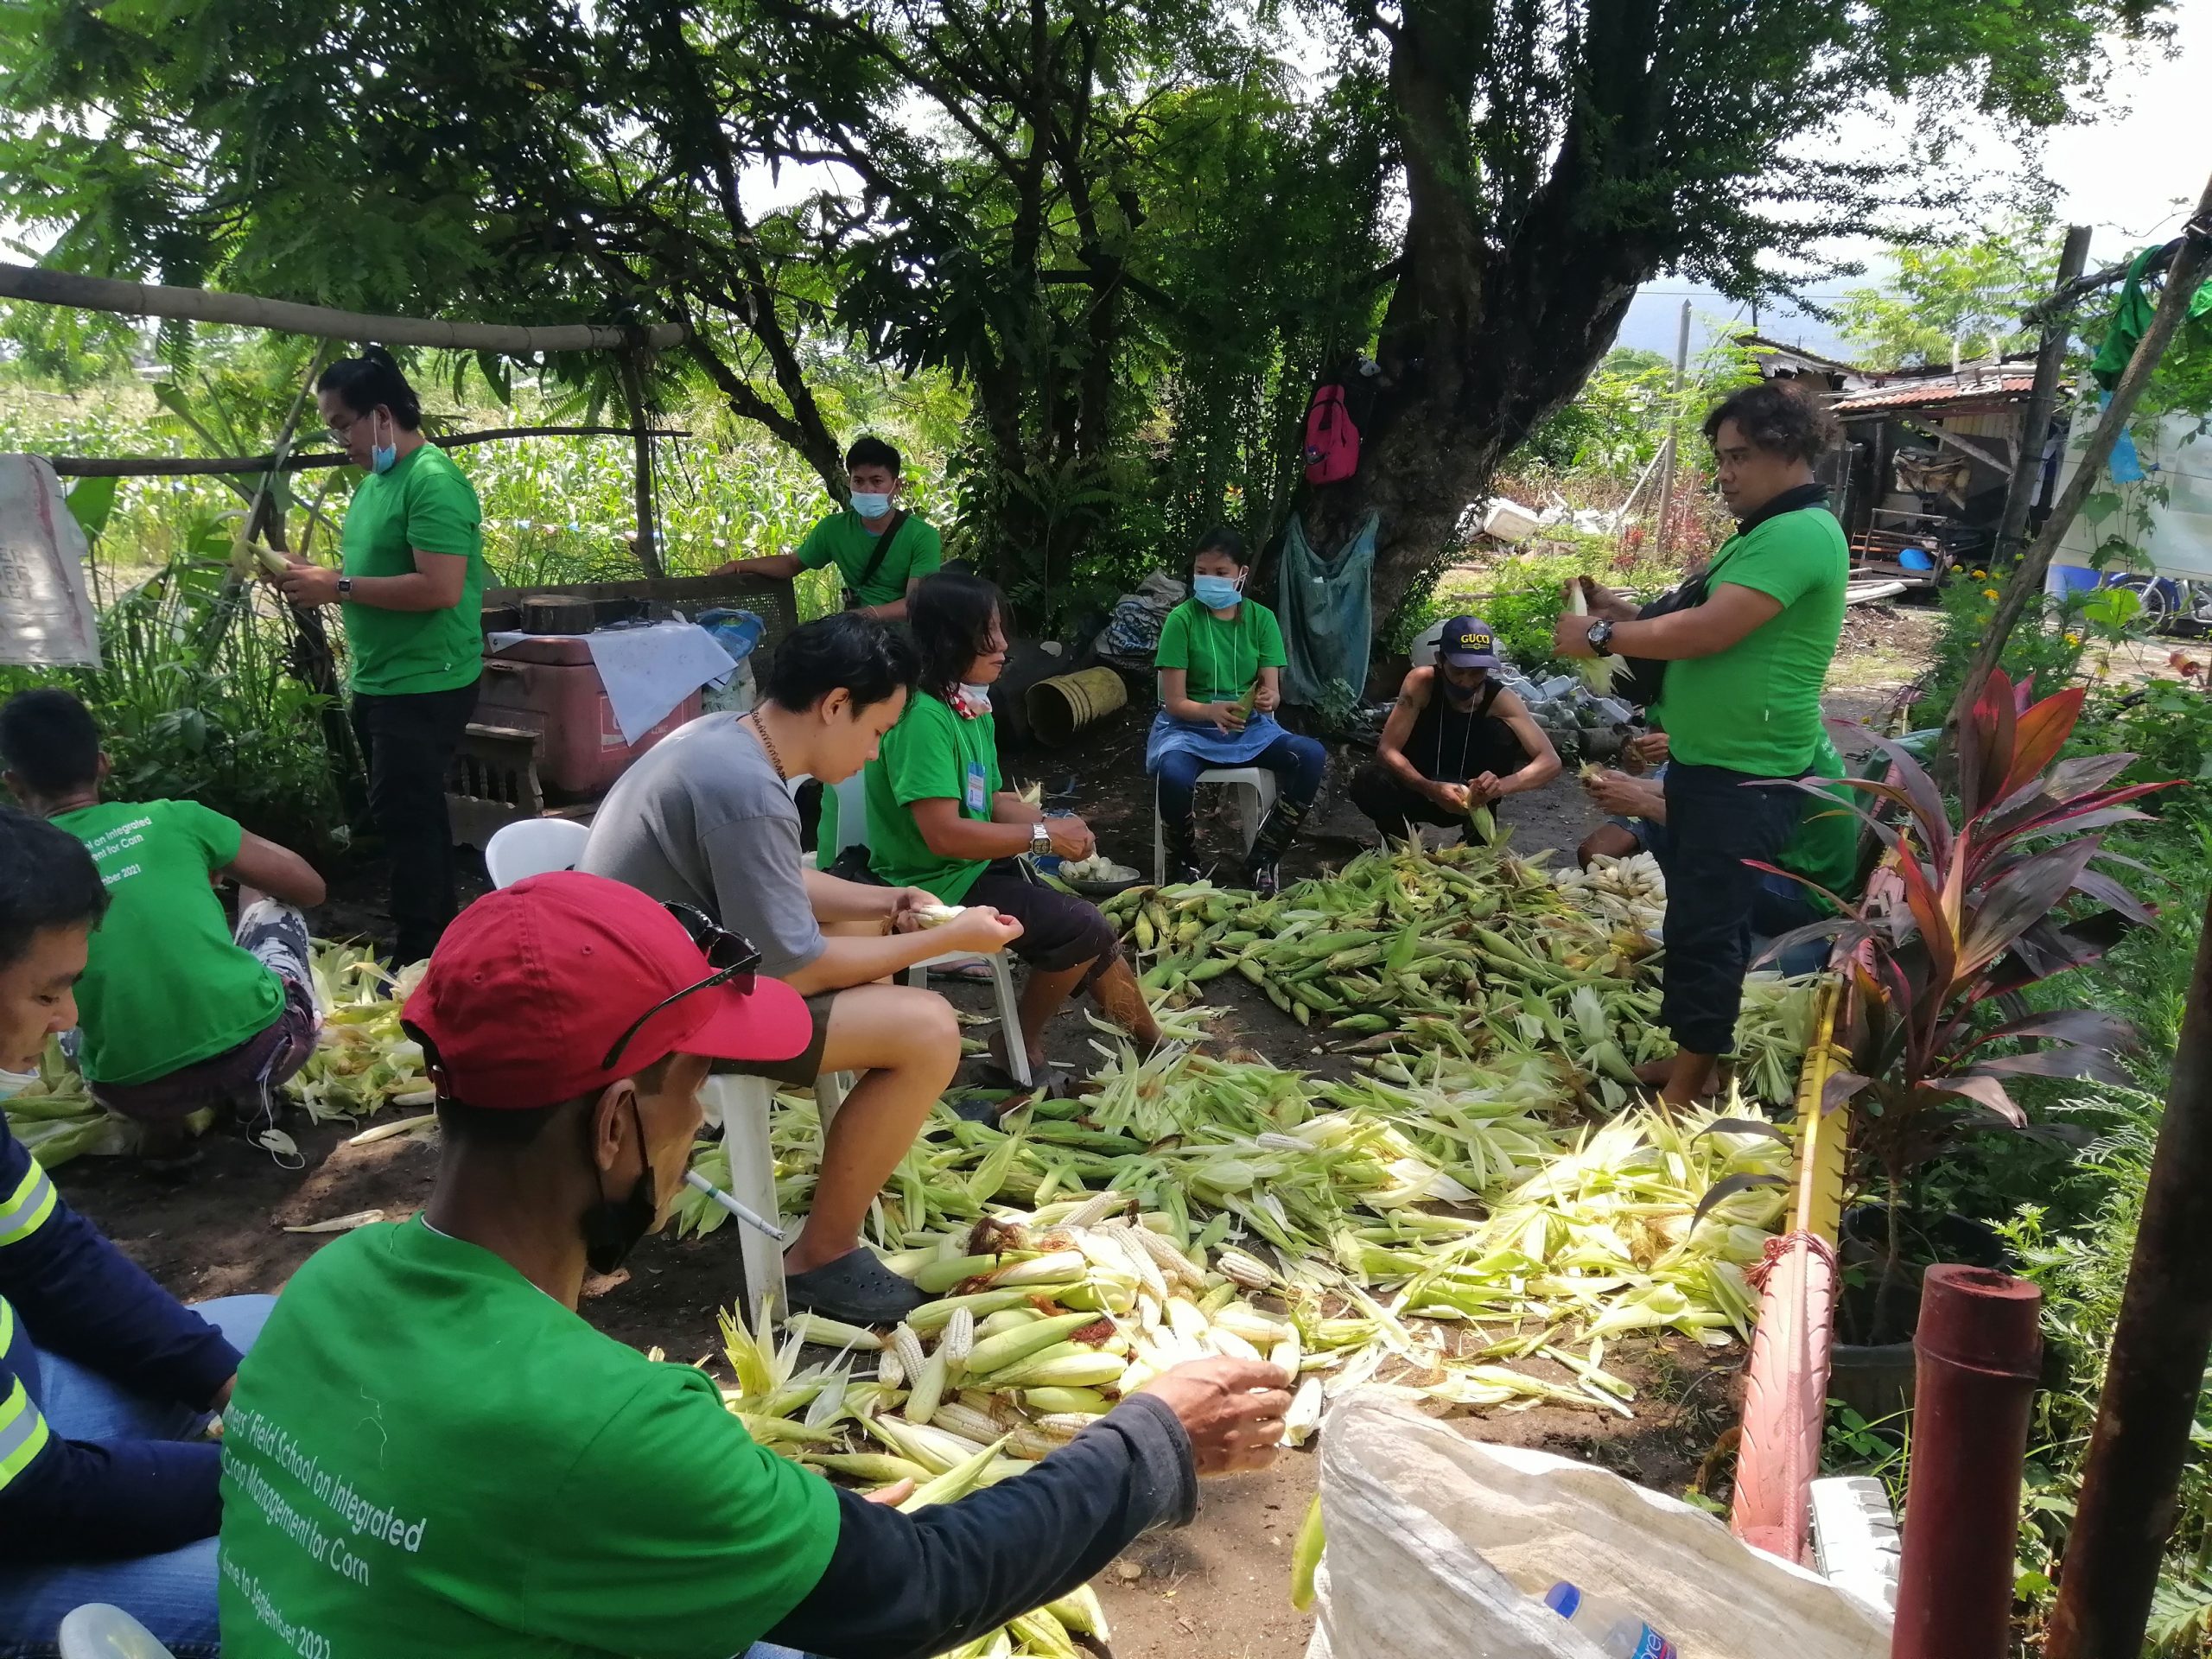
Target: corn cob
879, 1466
1056, 1267
942, 1275
1042, 1635
1243, 1268
1305, 1413
907, 1347
831, 1333
1305, 1556
928, 1388
966, 1421
890, 1369
1010, 1347
1063, 1400
1080, 1611
1079, 1368
1096, 1208
958, 1340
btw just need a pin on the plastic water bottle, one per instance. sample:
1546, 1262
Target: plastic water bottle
1614, 1627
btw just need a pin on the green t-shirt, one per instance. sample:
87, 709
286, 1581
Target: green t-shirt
841, 539
427, 1454
1755, 708
424, 502
1220, 659
1824, 848
930, 754
165, 985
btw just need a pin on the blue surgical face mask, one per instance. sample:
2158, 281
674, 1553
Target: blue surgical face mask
1217, 593
871, 504
382, 456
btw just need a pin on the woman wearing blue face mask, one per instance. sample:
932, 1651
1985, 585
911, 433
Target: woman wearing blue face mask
411, 576
1219, 658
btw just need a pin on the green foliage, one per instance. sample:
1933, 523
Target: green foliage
227, 725
1969, 292
2047, 643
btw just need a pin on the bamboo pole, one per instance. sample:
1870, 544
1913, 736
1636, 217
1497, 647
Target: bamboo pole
167, 467
2183, 277
2050, 358
2131, 1478
44, 286
1673, 422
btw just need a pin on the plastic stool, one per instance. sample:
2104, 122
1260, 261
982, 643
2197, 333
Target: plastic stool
1256, 801
1017, 1045
742, 1103
533, 847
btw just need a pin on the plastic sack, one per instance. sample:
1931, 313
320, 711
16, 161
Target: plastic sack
1432, 1538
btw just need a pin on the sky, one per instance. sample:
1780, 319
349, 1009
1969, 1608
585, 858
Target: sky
2131, 177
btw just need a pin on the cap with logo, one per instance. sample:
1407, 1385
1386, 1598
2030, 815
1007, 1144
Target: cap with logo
1467, 642
533, 987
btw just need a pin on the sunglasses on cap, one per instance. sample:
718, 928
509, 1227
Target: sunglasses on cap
732, 955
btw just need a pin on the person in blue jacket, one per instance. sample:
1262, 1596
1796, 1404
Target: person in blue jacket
108, 1476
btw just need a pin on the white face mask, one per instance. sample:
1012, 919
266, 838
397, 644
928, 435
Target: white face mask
14, 1083
976, 697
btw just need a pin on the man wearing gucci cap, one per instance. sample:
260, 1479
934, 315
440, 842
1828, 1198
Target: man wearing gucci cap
1456, 741
430, 1451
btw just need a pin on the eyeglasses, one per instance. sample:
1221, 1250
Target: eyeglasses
732, 955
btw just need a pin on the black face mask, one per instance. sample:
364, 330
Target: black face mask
613, 1226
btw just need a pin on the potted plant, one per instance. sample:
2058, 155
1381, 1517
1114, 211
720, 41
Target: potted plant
1964, 913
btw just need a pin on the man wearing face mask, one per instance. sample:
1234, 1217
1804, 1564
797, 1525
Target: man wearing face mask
108, 1481
881, 550
411, 578
1457, 740
430, 1453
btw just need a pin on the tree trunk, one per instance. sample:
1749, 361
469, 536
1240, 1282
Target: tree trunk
1503, 306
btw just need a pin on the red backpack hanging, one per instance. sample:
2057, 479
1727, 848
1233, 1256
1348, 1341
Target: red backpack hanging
1332, 441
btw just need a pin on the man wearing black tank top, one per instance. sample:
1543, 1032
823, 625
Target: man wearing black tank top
1456, 741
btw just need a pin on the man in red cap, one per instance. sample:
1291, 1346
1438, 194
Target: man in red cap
430, 1451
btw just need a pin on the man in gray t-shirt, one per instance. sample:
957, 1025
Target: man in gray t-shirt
702, 819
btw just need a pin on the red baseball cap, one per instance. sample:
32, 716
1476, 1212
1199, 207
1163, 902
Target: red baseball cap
533, 984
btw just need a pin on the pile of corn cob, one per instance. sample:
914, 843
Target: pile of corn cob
362, 1061
57, 1120
1399, 948
1631, 892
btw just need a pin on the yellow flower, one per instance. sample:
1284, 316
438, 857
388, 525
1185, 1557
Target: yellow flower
1981, 575
1989, 592
2073, 638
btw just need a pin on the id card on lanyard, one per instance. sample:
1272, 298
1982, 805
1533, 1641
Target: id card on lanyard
976, 796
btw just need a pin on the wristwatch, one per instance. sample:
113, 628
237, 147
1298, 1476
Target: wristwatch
1040, 839
1601, 635
344, 587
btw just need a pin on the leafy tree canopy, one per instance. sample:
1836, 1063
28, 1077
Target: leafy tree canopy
1965, 297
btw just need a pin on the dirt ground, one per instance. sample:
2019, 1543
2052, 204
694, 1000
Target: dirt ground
1218, 1589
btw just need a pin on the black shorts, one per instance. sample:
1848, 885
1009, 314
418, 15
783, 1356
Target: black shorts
1058, 931
804, 1067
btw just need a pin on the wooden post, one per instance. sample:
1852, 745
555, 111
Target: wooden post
2144, 1415
2183, 277
2051, 359
1674, 420
647, 546
209, 467
45, 287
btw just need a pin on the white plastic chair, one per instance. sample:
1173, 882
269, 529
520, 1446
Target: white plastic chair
1255, 787
97, 1631
852, 831
741, 1104
532, 847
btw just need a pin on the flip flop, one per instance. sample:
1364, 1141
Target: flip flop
856, 1288
975, 973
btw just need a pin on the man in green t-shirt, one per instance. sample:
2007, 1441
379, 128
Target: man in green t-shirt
881, 550
1740, 702
410, 587
429, 1452
178, 1013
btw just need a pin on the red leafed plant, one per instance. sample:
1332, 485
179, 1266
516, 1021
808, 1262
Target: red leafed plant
1970, 913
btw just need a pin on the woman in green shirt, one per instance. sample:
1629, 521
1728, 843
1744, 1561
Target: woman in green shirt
411, 576
1219, 659
939, 818
1741, 703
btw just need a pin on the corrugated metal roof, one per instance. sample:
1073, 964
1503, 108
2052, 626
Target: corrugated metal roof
1922, 394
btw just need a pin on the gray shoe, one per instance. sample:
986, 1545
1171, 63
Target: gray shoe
856, 1288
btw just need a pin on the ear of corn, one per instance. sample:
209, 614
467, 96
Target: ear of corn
1305, 1556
